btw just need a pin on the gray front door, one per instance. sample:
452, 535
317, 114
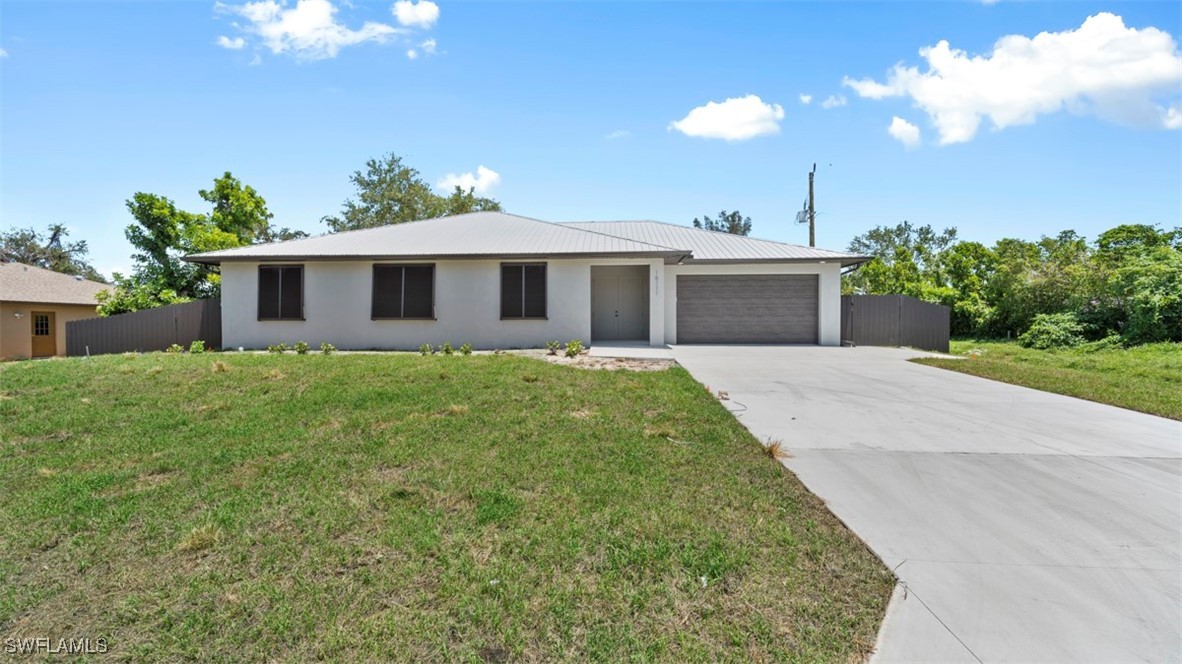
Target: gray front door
619, 302
755, 308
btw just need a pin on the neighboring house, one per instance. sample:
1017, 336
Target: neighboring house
497, 280
36, 304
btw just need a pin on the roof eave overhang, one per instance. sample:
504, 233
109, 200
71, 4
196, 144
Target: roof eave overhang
668, 256
844, 261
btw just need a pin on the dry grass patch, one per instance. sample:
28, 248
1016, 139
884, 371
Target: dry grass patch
201, 538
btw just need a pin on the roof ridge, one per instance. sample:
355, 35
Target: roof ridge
566, 225
707, 230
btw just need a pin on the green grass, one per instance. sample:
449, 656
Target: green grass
1145, 378
397, 507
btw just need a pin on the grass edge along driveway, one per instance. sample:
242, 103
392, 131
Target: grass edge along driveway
397, 507
1143, 378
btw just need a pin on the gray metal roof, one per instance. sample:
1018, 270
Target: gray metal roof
460, 236
496, 234
714, 246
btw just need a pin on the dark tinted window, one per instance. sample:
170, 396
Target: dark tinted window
523, 290
403, 291
281, 292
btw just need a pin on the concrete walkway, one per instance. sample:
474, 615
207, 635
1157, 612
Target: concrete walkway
1023, 525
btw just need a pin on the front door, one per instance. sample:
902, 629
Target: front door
44, 334
619, 302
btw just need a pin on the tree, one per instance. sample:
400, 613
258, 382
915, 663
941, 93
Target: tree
50, 251
905, 261
390, 192
726, 222
163, 234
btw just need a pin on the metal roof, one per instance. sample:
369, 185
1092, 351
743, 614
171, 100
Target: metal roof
714, 246
496, 234
28, 283
461, 236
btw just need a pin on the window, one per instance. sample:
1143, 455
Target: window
281, 292
403, 291
523, 290
40, 325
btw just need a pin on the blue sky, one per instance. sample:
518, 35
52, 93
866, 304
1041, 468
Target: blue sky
573, 106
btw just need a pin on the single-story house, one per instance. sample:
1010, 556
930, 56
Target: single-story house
36, 304
498, 280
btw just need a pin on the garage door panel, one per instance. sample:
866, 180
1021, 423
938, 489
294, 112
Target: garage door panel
771, 308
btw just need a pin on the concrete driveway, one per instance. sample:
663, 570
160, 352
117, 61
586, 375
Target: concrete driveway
1023, 525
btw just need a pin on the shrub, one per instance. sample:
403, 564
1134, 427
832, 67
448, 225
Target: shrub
198, 346
446, 348
278, 349
425, 349
466, 349
174, 348
327, 348
574, 347
553, 346
301, 348
1053, 331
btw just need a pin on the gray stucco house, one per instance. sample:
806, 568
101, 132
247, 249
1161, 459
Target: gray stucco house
498, 280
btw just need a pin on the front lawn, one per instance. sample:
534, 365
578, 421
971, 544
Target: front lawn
397, 507
1145, 378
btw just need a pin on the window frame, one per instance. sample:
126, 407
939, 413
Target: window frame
402, 296
545, 290
279, 293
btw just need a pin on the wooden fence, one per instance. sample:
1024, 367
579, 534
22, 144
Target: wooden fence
148, 330
894, 320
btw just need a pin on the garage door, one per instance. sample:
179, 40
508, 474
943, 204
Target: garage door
734, 308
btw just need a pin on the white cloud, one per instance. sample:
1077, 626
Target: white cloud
3, 53
421, 14
618, 134
308, 31
834, 101
1103, 68
429, 46
736, 119
1171, 118
904, 132
232, 44
806, 99
482, 181
412, 54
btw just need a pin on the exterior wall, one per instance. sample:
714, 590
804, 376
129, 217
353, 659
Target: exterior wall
829, 280
16, 334
337, 296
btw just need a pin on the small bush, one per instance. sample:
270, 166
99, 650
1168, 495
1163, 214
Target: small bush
327, 348
553, 346
1053, 331
301, 348
426, 349
198, 346
574, 347
446, 348
174, 348
278, 349
466, 349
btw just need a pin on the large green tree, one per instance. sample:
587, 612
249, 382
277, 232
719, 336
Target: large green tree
163, 234
726, 222
50, 250
390, 192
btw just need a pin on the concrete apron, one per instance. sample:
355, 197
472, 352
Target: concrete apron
1022, 525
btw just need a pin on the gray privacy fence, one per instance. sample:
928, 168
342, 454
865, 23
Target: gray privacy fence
894, 320
148, 330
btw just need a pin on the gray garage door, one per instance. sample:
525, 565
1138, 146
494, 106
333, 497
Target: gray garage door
747, 309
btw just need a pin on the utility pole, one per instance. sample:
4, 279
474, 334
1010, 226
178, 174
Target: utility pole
812, 211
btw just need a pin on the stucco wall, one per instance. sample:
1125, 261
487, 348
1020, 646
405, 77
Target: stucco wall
467, 308
829, 283
16, 334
